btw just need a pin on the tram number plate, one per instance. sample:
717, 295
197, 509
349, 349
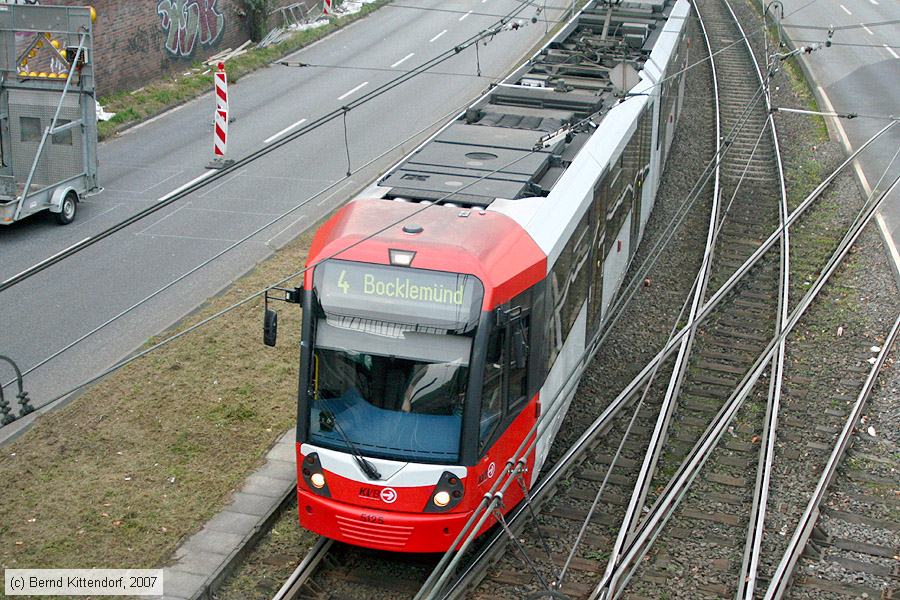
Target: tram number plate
371, 518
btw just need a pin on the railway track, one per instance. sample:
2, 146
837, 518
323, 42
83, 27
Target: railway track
336, 571
700, 552
846, 542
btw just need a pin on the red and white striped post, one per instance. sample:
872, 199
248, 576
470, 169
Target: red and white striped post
220, 122
221, 79
326, 8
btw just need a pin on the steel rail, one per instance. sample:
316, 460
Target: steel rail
746, 581
781, 579
431, 589
675, 491
875, 187
291, 587
632, 519
664, 418
655, 447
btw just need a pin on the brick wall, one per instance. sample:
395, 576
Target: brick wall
137, 41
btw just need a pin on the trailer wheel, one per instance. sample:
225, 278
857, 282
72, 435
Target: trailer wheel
67, 213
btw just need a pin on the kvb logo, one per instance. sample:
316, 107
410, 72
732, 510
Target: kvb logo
388, 495
187, 22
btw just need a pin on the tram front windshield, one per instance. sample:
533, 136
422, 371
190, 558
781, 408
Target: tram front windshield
390, 372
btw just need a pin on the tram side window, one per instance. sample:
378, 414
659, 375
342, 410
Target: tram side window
492, 389
618, 203
518, 372
567, 288
646, 133
598, 242
505, 388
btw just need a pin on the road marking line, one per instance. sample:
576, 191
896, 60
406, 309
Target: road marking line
891, 50
869, 31
49, 258
225, 181
194, 238
357, 88
846, 10
185, 186
294, 222
465, 15
231, 212
164, 217
864, 181
875, 2
434, 39
160, 182
337, 190
283, 131
97, 216
403, 60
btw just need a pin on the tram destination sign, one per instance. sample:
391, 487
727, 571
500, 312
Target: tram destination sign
398, 294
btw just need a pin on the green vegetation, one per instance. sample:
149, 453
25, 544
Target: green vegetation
598, 555
157, 97
258, 16
800, 86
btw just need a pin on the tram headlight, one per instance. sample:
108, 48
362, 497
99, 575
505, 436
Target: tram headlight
314, 475
447, 493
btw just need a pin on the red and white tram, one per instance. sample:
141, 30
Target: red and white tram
430, 349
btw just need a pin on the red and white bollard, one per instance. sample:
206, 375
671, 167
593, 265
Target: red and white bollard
221, 79
220, 122
326, 8
220, 139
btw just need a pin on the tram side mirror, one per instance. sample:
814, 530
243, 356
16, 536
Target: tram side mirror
520, 346
270, 327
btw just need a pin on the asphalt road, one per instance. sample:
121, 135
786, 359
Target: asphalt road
859, 73
59, 305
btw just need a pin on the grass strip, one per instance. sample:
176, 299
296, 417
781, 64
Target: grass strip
160, 96
120, 476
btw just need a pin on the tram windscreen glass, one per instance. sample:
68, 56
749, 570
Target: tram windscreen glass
431, 300
397, 397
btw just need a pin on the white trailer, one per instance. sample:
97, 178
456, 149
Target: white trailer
48, 119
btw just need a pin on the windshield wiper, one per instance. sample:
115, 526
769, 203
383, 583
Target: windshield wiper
367, 467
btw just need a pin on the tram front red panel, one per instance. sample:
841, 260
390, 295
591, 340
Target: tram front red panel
392, 518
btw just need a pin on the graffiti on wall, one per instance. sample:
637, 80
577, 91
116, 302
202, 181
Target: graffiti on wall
189, 23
